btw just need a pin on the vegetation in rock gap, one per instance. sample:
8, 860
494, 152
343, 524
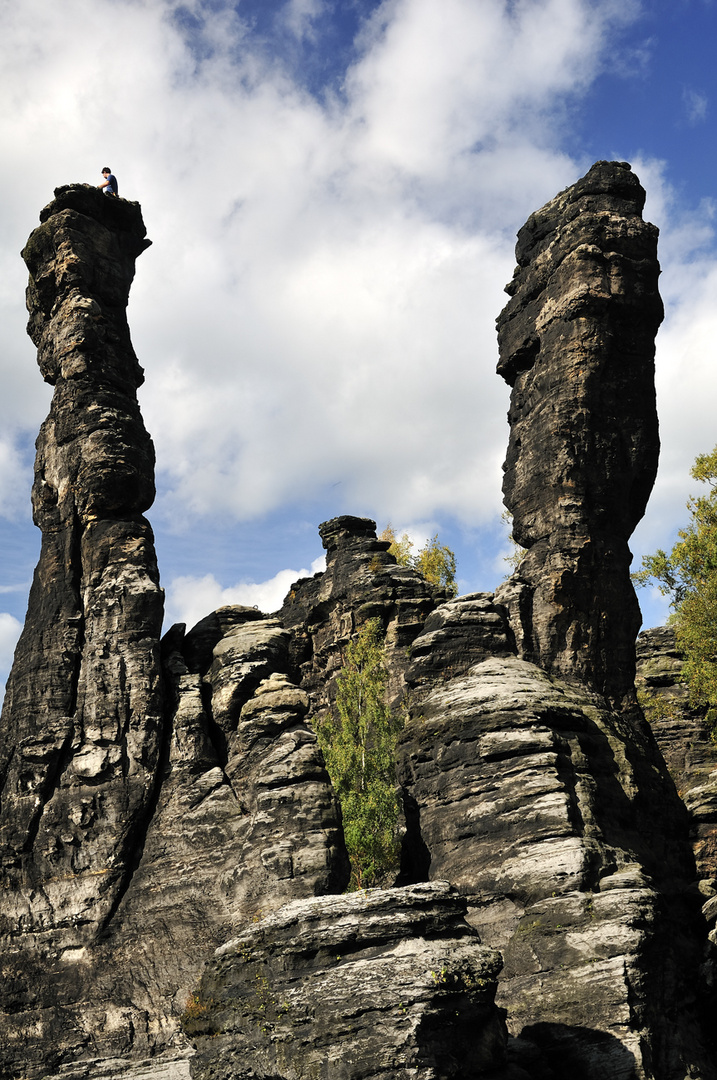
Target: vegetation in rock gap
434, 561
688, 574
358, 741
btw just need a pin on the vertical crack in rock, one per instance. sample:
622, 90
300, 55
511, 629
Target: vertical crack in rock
82, 721
577, 347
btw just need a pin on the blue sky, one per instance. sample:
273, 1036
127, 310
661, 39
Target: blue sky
333, 192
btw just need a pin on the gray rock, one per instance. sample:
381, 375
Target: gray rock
577, 347
387, 983
683, 736
557, 820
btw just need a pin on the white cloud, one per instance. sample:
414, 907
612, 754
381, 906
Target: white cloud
299, 16
9, 633
318, 306
695, 105
190, 599
316, 314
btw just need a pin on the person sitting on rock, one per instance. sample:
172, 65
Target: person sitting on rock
109, 183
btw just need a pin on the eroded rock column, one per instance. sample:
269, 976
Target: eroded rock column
577, 347
81, 728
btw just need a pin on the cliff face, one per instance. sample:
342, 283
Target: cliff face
173, 856
577, 348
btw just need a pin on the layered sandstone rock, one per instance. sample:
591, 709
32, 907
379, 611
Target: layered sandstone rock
531, 779
577, 348
150, 816
361, 581
684, 735
387, 983
556, 819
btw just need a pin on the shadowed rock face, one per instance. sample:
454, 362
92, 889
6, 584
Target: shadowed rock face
684, 735
577, 347
82, 722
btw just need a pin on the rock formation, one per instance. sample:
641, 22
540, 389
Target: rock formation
577, 347
172, 849
149, 804
82, 723
685, 737
361, 581
387, 983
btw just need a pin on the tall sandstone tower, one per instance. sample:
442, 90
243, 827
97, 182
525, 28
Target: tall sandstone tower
577, 347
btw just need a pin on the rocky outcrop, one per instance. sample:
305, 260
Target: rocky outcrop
577, 348
170, 838
531, 780
387, 983
556, 819
684, 735
361, 581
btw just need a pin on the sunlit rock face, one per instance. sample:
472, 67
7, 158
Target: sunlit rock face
555, 817
389, 983
577, 346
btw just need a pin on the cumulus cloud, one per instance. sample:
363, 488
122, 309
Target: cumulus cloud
695, 105
317, 310
189, 599
316, 314
9, 633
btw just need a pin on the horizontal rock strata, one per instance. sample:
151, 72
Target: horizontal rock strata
557, 820
361, 581
385, 983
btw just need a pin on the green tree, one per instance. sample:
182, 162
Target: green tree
517, 553
434, 561
358, 741
688, 574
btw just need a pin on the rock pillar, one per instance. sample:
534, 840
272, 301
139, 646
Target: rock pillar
577, 348
81, 728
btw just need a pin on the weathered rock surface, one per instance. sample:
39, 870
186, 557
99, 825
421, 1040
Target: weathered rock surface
556, 818
81, 730
684, 738
149, 809
157, 805
577, 347
386, 983
361, 581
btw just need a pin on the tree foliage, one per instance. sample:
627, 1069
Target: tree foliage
358, 741
434, 561
688, 574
